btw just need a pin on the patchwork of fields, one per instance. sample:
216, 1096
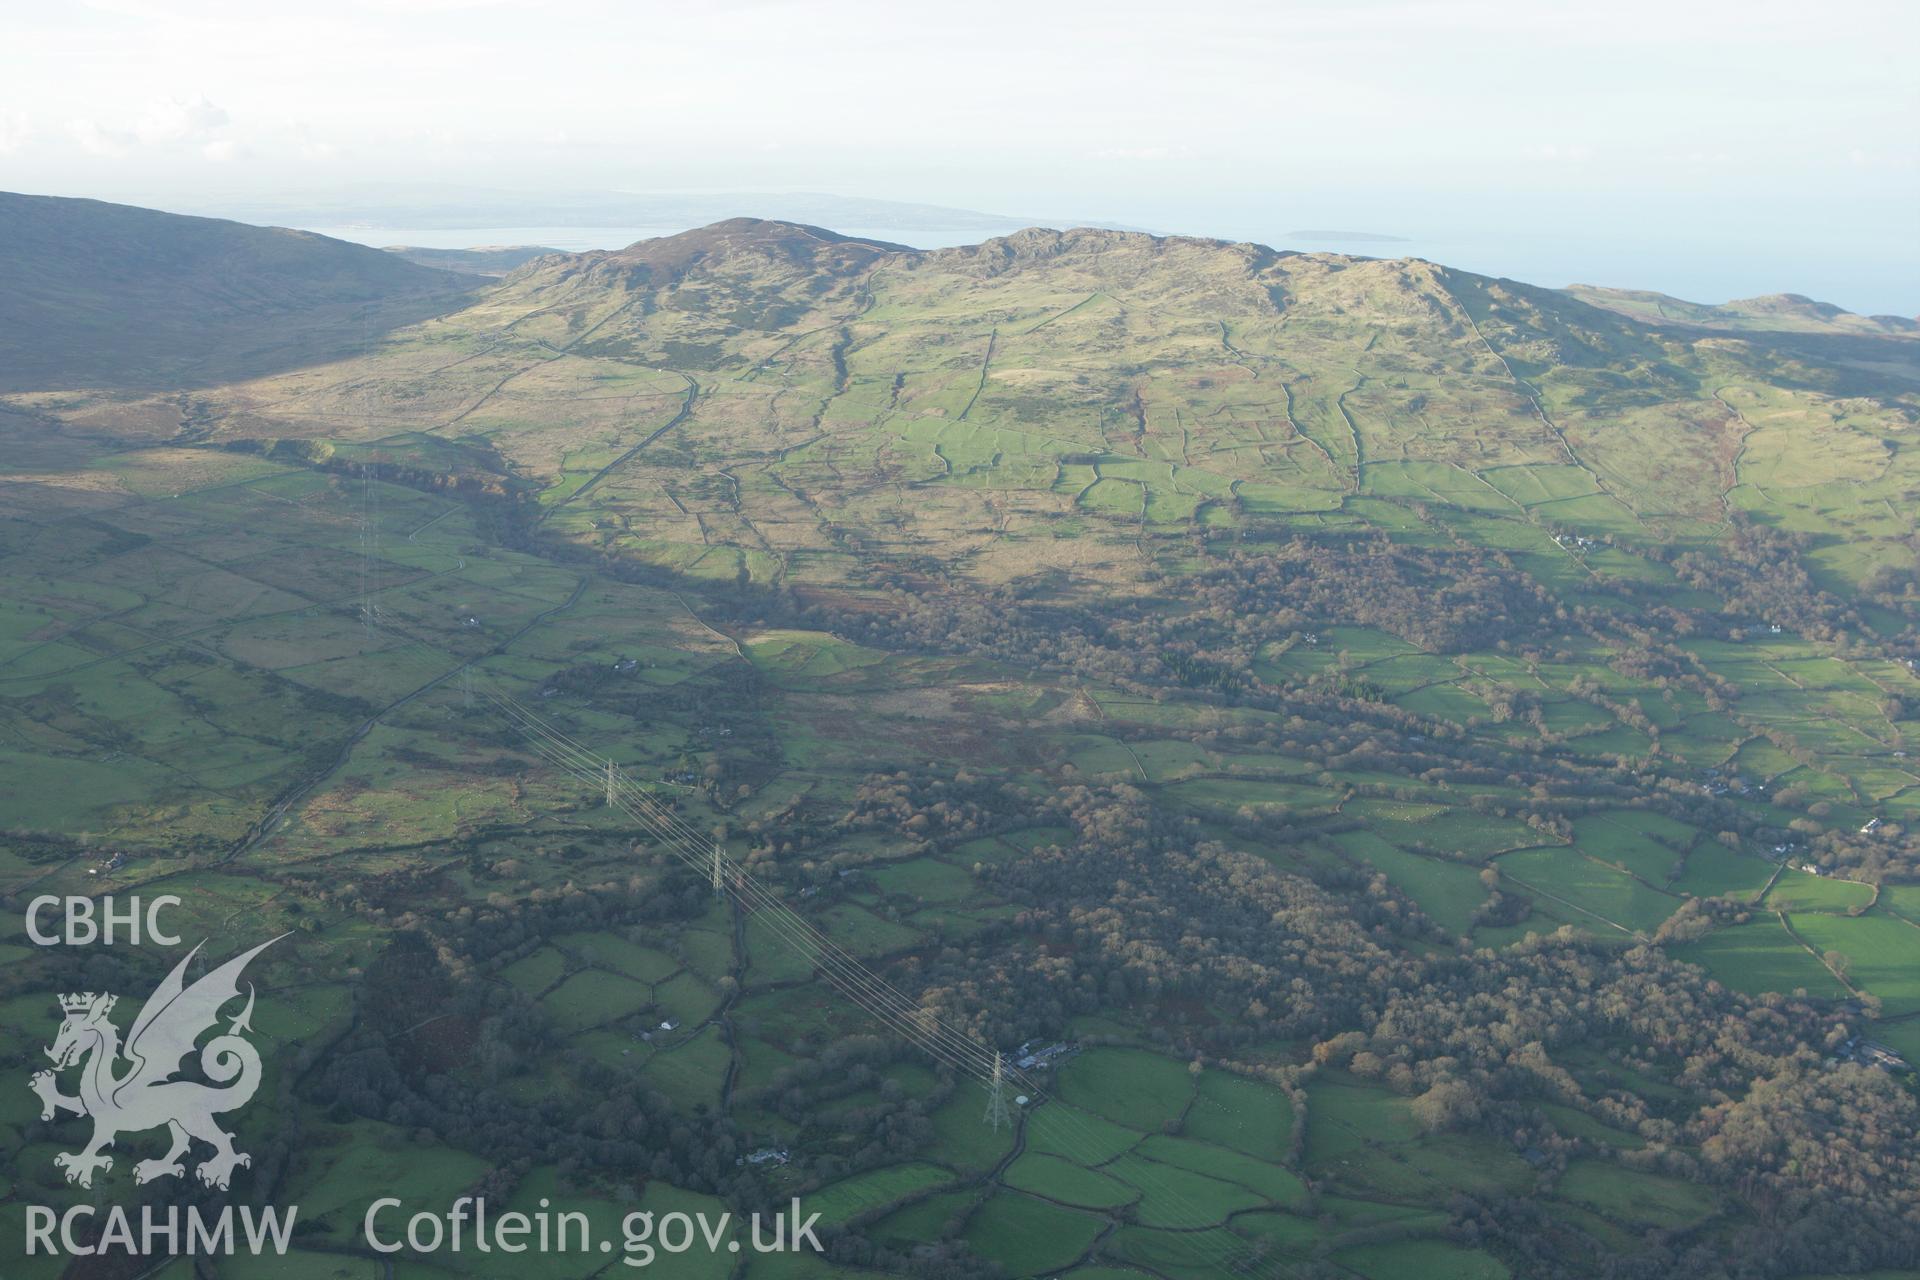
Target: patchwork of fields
1214, 678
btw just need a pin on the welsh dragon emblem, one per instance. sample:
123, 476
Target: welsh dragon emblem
131, 1087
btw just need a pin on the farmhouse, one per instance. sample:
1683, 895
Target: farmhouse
1871, 1053
1029, 1058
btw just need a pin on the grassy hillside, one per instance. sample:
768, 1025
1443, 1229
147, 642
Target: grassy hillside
1051, 397
1435, 751
111, 295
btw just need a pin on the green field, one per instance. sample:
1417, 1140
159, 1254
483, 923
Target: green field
1880, 954
1435, 1258
1634, 1198
865, 1193
1762, 956
1243, 1114
1612, 897
1029, 1236
1130, 1087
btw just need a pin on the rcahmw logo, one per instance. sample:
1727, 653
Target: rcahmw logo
130, 1087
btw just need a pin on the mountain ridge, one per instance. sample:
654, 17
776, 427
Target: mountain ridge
1039, 243
106, 294
147, 297
1767, 311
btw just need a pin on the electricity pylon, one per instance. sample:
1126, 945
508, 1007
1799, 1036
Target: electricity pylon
609, 784
997, 1114
719, 868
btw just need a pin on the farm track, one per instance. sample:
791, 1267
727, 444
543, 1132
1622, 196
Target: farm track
986, 363
1061, 315
738, 652
1353, 429
686, 410
491, 392
1540, 410
1240, 357
1740, 454
1334, 466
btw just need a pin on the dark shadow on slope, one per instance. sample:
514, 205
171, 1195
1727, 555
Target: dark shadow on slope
109, 296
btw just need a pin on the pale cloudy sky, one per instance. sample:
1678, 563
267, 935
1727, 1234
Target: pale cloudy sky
1778, 138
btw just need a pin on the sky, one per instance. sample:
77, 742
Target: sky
1687, 145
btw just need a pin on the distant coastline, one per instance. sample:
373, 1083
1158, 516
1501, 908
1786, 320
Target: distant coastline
1323, 236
